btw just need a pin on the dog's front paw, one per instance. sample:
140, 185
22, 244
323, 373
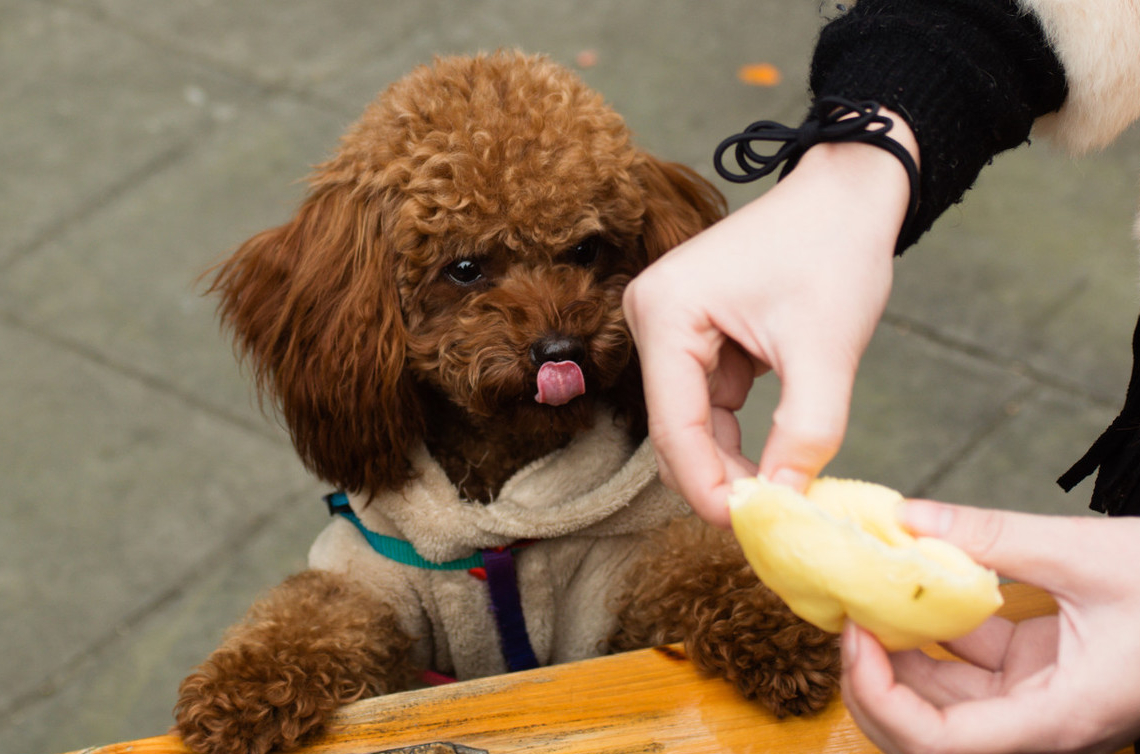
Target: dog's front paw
770, 655
270, 692
245, 705
315, 643
693, 585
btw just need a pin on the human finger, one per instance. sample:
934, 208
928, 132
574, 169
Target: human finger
942, 682
898, 719
681, 431
1036, 549
985, 646
731, 380
728, 389
726, 433
1001, 645
993, 658
872, 696
675, 369
810, 419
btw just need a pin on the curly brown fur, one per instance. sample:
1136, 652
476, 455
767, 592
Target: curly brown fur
693, 585
351, 322
313, 644
481, 210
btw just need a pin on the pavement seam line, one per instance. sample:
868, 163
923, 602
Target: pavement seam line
265, 86
228, 551
146, 379
999, 360
954, 460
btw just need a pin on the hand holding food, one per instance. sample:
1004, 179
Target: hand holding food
838, 552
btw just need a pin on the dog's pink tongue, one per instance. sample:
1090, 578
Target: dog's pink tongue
559, 382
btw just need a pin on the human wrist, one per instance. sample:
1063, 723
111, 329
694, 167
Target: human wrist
903, 134
865, 176
766, 145
870, 165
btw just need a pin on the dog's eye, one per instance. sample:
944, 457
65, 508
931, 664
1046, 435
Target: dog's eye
586, 252
464, 271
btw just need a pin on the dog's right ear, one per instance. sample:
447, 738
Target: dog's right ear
679, 204
314, 309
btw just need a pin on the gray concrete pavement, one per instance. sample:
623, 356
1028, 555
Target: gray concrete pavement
146, 500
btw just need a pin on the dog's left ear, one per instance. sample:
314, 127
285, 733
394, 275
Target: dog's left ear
679, 203
314, 308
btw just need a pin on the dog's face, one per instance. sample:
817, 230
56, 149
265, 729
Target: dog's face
469, 242
530, 336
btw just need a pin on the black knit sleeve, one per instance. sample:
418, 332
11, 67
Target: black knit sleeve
969, 76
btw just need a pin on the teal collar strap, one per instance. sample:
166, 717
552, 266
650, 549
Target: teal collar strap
395, 549
496, 566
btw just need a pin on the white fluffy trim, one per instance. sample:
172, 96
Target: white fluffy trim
1098, 42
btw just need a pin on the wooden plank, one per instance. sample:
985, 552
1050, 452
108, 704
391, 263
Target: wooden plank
652, 700
1023, 601
155, 745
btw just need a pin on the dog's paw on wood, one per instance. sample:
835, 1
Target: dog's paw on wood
693, 585
314, 644
768, 654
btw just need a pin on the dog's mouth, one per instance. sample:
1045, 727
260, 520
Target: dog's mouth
559, 382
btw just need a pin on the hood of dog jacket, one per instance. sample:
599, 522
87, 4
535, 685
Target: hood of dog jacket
587, 505
586, 487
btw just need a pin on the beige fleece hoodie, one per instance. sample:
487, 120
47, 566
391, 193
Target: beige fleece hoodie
589, 504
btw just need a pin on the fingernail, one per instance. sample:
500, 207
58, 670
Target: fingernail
850, 644
797, 480
927, 517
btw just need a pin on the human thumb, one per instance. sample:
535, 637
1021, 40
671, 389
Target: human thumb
807, 426
1036, 549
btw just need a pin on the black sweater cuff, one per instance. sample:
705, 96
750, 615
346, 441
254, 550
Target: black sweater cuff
969, 76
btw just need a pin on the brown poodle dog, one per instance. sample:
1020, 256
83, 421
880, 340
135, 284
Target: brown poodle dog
440, 326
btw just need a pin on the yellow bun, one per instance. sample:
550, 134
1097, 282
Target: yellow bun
839, 552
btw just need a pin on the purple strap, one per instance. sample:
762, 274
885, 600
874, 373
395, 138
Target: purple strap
502, 583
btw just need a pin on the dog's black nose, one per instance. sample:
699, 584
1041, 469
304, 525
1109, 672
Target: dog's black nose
558, 348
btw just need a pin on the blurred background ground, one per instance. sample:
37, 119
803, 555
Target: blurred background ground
146, 500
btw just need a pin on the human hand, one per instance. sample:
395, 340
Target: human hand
1062, 683
795, 283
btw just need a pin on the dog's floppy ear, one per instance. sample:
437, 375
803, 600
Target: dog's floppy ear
679, 203
313, 307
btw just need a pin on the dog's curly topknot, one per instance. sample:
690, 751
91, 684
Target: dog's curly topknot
464, 158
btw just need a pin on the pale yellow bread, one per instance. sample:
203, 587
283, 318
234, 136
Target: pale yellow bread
839, 552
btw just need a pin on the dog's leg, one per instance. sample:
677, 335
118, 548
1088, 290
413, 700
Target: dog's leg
693, 585
314, 643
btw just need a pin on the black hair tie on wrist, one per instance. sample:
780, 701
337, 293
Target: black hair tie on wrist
834, 119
